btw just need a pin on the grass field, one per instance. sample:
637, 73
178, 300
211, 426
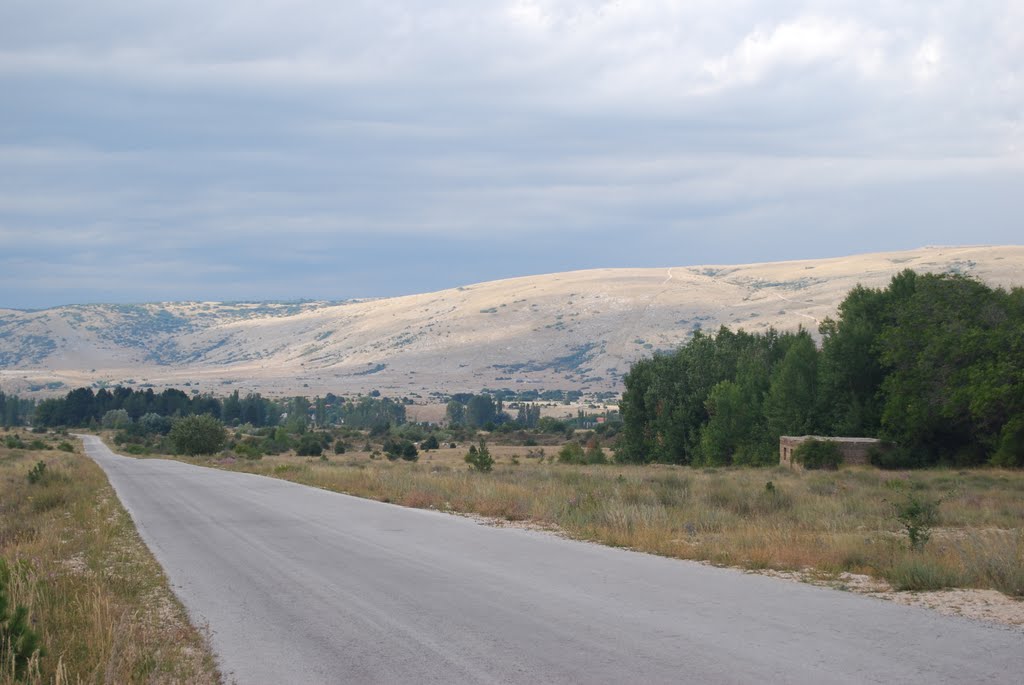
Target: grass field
96, 597
827, 522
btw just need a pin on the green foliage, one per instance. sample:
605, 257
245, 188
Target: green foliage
594, 454
430, 443
65, 446
398, 448
309, 446
818, 454
116, 419
572, 453
479, 458
340, 446
18, 642
790, 403
933, 363
37, 473
918, 514
201, 434
14, 442
1011, 444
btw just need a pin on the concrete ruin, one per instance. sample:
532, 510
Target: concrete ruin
853, 450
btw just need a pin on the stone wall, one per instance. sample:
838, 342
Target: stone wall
853, 450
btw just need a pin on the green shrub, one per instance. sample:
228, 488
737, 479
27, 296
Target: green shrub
818, 454
201, 434
572, 453
14, 442
340, 446
480, 459
65, 446
37, 473
18, 642
918, 513
430, 443
594, 454
309, 446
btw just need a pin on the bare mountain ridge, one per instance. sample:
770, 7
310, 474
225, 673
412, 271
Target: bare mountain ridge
575, 330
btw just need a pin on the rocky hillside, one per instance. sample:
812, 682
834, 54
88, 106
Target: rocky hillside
577, 330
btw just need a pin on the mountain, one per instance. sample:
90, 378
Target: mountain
576, 330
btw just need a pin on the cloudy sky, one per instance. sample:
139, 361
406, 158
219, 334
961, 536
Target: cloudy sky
335, 148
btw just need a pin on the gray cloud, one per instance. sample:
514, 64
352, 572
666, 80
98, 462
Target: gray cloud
329, 149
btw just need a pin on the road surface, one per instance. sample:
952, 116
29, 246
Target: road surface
299, 585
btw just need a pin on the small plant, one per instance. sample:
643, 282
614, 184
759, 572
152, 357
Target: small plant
65, 446
18, 643
14, 442
37, 473
818, 454
479, 458
918, 514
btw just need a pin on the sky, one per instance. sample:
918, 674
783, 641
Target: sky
332, 149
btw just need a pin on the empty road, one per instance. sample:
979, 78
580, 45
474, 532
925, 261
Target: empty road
298, 585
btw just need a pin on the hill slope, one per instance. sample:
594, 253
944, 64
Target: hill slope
575, 330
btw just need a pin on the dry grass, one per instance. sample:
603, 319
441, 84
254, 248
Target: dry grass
96, 596
831, 522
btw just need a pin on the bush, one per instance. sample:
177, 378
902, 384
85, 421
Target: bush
572, 453
309, 446
18, 642
340, 446
918, 514
409, 451
594, 454
898, 457
65, 446
480, 459
430, 443
818, 454
202, 434
37, 473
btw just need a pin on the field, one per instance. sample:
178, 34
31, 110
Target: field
97, 599
827, 524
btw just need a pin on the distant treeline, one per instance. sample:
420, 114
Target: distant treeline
932, 363
84, 407
15, 411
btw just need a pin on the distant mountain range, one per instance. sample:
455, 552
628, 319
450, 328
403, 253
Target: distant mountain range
573, 331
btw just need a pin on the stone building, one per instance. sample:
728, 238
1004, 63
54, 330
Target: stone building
853, 450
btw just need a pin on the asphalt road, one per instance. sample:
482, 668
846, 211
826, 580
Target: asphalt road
298, 585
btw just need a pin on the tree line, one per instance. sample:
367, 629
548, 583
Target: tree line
933, 364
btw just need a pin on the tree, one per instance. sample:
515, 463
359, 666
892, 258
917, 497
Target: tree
202, 434
116, 419
790, 403
479, 458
